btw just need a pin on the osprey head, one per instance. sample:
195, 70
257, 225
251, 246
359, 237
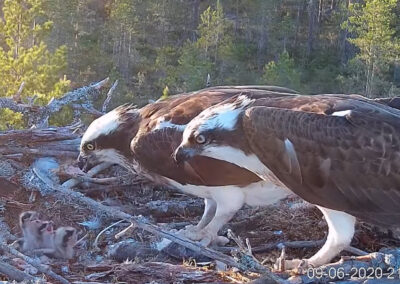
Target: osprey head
108, 138
206, 134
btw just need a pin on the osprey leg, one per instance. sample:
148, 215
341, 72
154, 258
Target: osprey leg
210, 207
228, 202
340, 233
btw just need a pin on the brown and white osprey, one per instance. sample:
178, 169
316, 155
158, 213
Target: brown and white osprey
144, 140
341, 153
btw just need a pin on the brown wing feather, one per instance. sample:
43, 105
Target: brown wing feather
349, 163
153, 149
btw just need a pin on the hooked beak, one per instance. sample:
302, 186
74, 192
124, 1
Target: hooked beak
183, 154
83, 163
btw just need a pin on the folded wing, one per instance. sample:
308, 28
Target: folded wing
344, 155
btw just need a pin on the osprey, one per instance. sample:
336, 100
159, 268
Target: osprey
144, 140
339, 152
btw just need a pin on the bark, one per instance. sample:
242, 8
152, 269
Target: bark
14, 274
38, 115
35, 263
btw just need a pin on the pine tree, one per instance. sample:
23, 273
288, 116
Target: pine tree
213, 32
282, 72
24, 56
373, 25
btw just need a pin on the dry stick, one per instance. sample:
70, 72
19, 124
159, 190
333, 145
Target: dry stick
37, 114
245, 255
142, 224
17, 96
355, 251
95, 246
288, 244
124, 231
34, 263
88, 109
15, 274
109, 96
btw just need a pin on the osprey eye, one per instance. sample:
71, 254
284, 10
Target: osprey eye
90, 146
200, 139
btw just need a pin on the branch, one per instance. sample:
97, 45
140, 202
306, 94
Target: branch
245, 255
16, 107
88, 109
24, 144
34, 263
84, 93
38, 115
17, 96
109, 96
15, 274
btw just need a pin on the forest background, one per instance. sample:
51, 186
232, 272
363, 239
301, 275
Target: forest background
156, 48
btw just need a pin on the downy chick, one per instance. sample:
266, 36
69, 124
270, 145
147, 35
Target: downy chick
46, 234
30, 223
64, 242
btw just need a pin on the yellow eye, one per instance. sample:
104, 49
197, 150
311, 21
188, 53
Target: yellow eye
90, 146
200, 139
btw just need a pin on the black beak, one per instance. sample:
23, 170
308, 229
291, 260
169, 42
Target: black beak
83, 163
183, 154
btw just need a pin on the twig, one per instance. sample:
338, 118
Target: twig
17, 96
109, 96
282, 260
15, 274
34, 263
355, 251
244, 255
88, 109
31, 100
289, 244
95, 246
249, 249
81, 240
124, 231
237, 240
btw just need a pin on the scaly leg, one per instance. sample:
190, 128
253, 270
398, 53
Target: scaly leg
210, 206
228, 202
340, 233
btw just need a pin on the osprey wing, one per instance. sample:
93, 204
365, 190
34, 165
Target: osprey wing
155, 151
161, 131
348, 159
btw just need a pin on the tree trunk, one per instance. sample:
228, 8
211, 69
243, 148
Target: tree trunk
195, 18
262, 43
311, 26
